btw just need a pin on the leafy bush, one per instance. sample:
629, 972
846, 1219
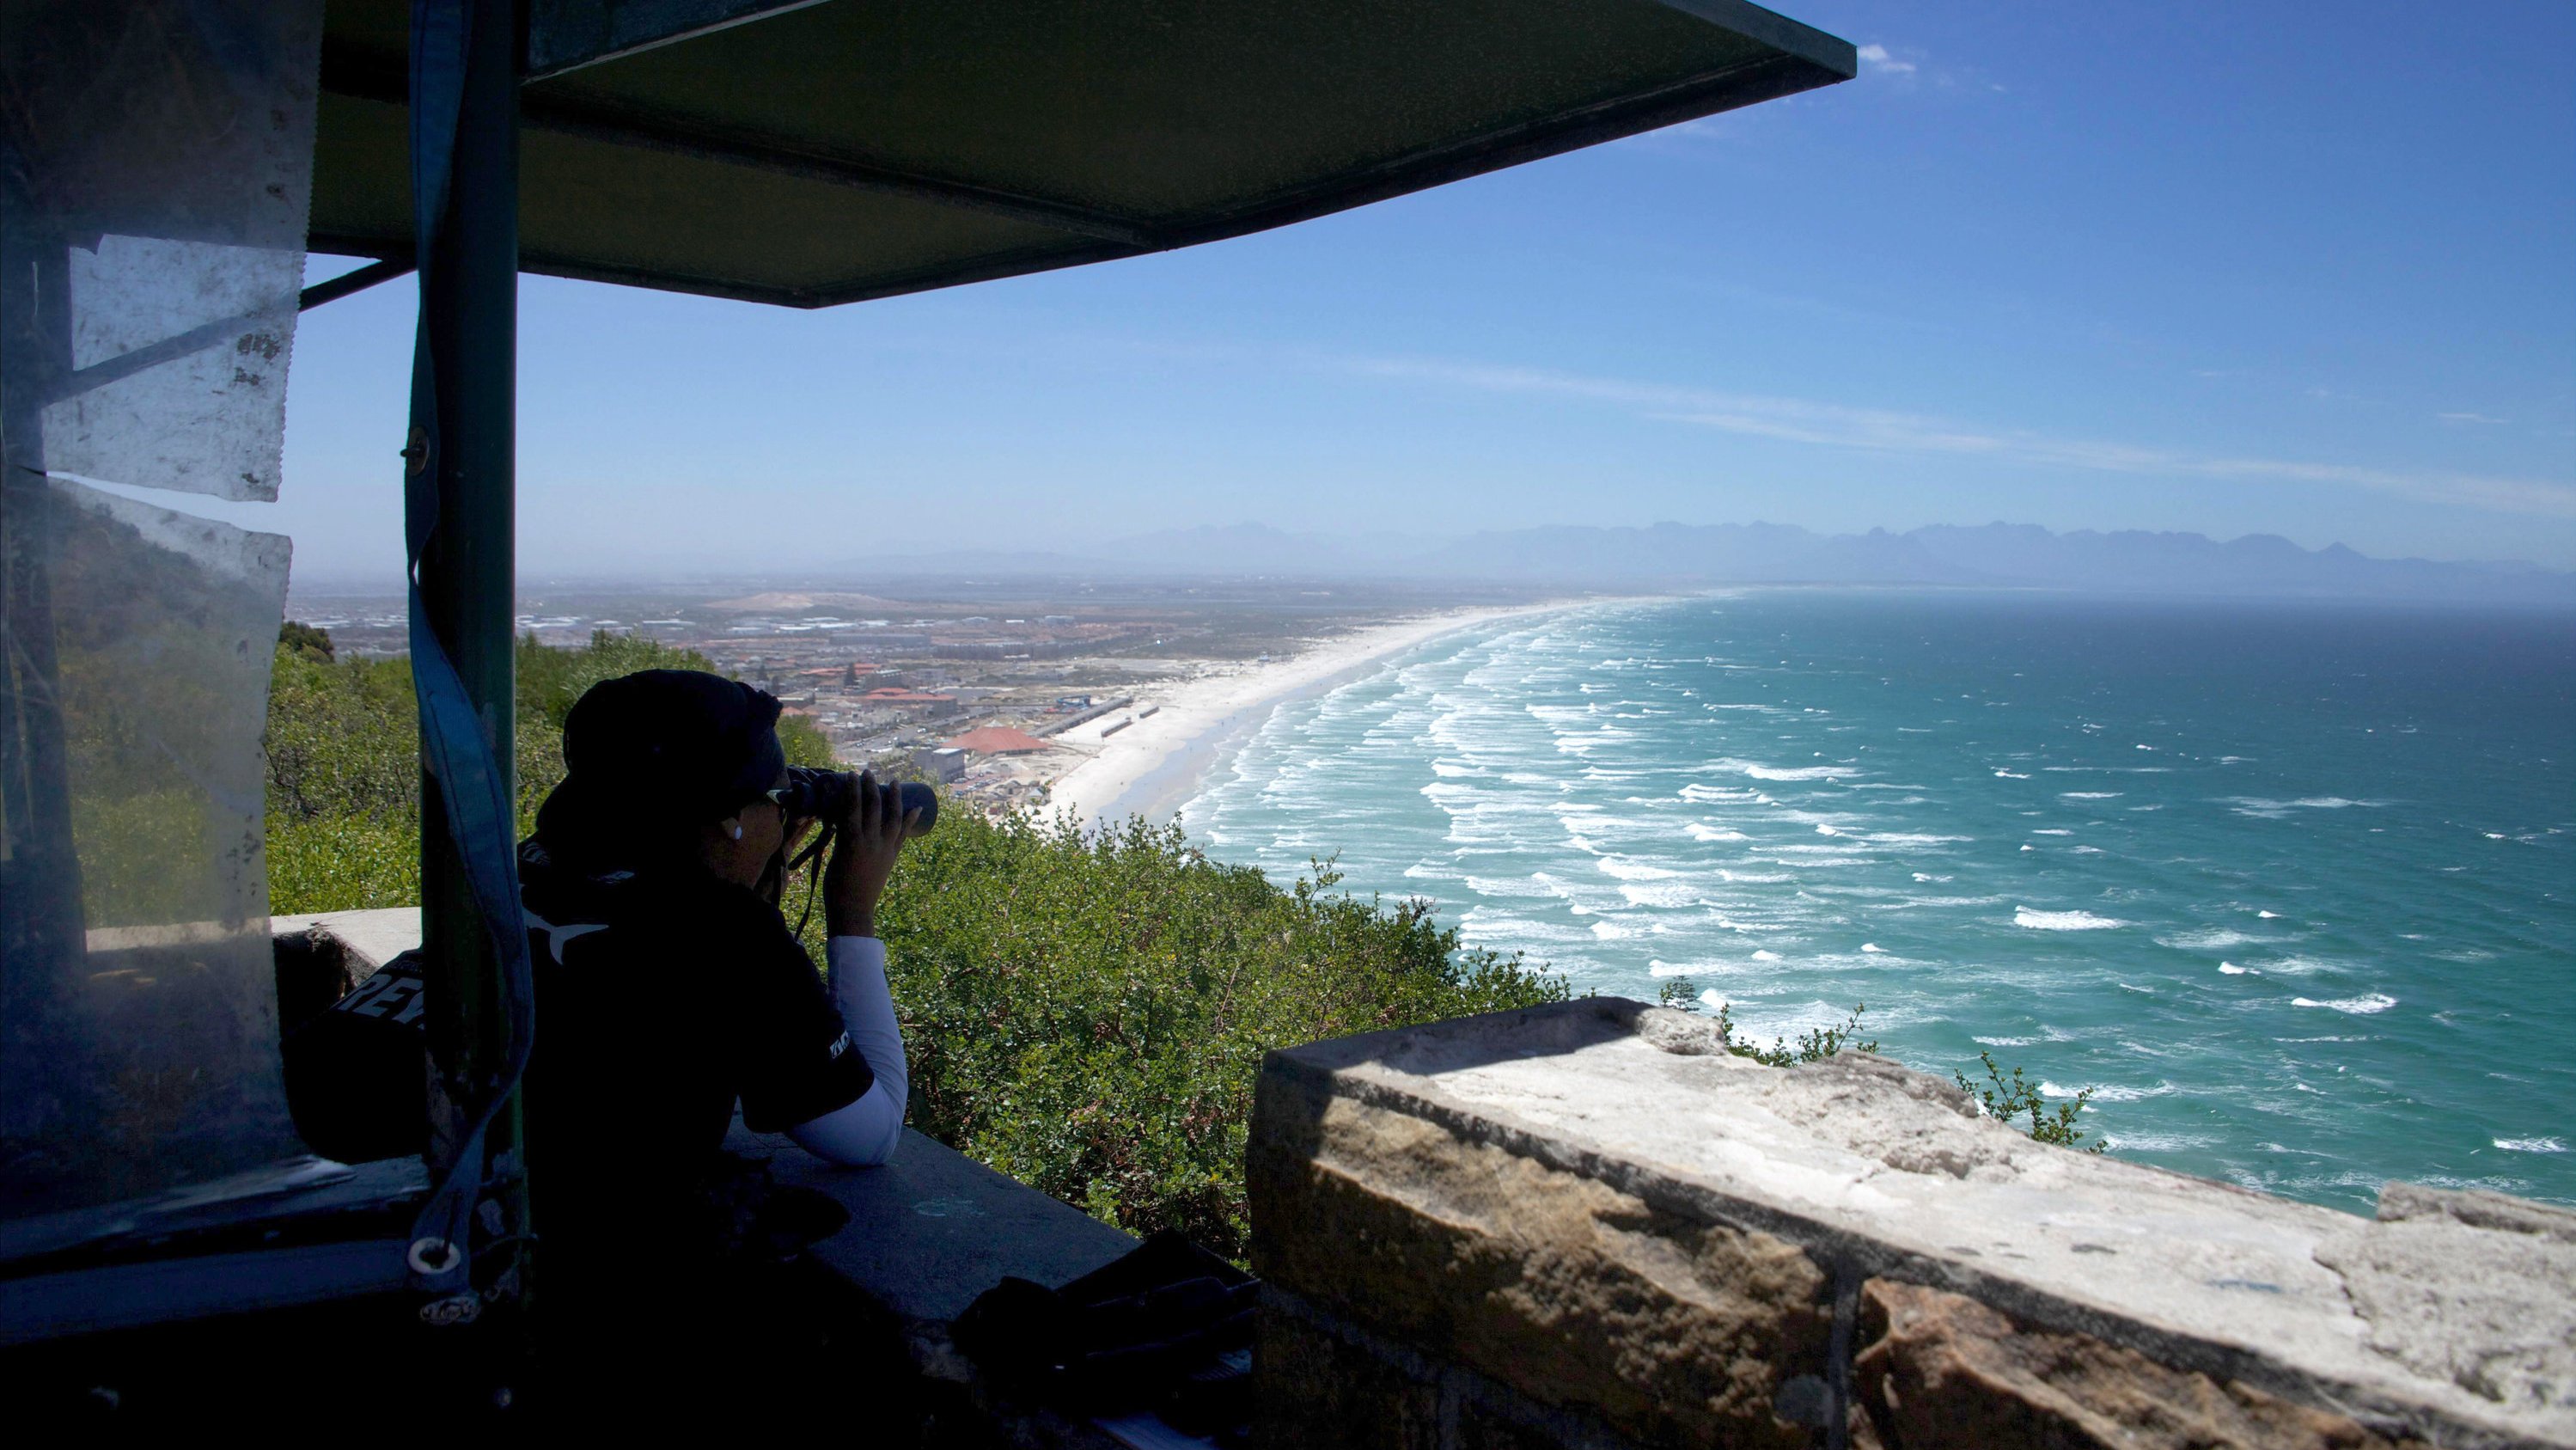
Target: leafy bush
344, 759
306, 640
2011, 1100
342, 863
1088, 1013
2005, 1100
342, 741
1814, 1045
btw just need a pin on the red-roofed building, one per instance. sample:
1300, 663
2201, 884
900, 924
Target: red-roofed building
998, 740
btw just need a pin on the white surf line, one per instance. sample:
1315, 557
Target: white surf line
1157, 763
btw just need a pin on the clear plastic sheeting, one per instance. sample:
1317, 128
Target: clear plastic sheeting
164, 149
155, 159
148, 1040
179, 423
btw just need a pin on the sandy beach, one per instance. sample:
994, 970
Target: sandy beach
1157, 762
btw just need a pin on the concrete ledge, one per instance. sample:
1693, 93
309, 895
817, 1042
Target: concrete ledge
932, 1229
1648, 1241
373, 938
928, 1232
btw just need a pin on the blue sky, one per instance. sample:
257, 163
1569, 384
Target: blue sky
2298, 269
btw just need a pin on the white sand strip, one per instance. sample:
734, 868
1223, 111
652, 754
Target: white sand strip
1158, 761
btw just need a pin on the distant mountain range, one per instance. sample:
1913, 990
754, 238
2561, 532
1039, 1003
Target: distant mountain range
1685, 556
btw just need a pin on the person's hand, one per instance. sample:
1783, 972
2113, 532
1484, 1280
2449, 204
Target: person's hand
862, 860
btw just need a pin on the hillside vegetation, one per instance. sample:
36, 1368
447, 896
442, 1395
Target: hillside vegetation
1086, 1013
344, 760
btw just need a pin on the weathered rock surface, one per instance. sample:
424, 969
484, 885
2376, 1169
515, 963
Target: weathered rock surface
2475, 1288
1942, 1369
1588, 1224
1668, 1328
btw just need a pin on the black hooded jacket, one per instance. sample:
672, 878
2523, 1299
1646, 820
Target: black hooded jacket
666, 994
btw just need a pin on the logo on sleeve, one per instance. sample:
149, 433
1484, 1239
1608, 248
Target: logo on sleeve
840, 1044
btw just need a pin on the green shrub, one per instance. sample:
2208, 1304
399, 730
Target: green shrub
1814, 1045
344, 760
342, 742
2011, 1100
2005, 1100
1088, 1013
342, 863
306, 640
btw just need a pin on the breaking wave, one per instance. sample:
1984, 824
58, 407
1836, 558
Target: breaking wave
1756, 771
2363, 1006
2063, 920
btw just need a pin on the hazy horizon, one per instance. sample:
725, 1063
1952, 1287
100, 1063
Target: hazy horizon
1254, 549
2085, 270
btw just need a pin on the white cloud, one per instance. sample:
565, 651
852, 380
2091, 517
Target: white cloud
1835, 425
1875, 57
2468, 418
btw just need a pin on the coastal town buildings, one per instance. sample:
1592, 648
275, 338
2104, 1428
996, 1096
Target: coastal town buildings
920, 684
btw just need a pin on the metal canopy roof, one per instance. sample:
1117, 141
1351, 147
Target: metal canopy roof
829, 152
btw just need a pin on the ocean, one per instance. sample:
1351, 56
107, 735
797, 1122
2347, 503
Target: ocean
2291, 887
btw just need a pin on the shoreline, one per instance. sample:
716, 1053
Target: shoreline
1153, 767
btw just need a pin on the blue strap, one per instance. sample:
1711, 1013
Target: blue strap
473, 787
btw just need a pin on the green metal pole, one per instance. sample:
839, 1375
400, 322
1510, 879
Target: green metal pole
467, 575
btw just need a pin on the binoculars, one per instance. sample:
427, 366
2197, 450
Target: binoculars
831, 795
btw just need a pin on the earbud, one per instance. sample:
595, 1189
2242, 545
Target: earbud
737, 833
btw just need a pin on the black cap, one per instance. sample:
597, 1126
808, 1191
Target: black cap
650, 757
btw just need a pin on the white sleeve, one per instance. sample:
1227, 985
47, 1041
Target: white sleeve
864, 1132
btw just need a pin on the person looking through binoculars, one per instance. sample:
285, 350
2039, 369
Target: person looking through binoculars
668, 983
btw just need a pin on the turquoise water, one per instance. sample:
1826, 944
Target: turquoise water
2293, 888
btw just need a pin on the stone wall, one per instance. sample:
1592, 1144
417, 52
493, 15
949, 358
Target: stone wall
1588, 1225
